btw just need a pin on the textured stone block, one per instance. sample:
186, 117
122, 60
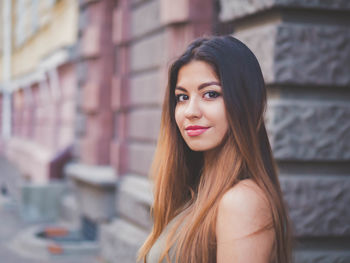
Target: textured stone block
320, 55
140, 156
309, 130
174, 11
147, 53
134, 200
145, 18
322, 256
233, 9
253, 38
318, 205
120, 241
301, 54
144, 89
144, 124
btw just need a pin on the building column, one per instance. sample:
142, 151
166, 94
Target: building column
304, 51
94, 179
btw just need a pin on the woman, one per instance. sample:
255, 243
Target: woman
216, 195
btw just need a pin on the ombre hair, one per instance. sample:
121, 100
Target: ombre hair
183, 182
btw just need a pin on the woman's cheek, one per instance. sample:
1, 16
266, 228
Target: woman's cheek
178, 117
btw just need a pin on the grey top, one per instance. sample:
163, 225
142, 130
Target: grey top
158, 247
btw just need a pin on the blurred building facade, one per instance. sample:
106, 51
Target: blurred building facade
85, 79
38, 79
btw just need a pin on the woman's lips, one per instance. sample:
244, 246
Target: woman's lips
195, 130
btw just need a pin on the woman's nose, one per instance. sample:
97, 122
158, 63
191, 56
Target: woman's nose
193, 109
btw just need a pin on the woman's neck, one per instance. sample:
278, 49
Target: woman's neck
209, 157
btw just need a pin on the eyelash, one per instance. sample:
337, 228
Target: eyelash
214, 93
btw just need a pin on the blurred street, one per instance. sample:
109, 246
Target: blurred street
11, 224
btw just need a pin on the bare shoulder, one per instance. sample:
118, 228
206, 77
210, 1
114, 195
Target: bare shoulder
243, 226
245, 196
244, 209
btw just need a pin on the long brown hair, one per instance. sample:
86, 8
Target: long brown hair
184, 182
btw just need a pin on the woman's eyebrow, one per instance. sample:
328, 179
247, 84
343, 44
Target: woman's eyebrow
206, 84
201, 86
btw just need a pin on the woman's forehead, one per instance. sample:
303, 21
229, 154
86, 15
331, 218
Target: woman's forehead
196, 71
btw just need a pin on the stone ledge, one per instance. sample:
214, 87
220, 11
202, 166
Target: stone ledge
319, 205
94, 190
231, 10
120, 241
103, 176
134, 200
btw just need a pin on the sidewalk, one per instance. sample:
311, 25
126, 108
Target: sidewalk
12, 225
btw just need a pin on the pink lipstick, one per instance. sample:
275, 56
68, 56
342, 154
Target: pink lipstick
195, 130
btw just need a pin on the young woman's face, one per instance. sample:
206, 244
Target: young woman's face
200, 111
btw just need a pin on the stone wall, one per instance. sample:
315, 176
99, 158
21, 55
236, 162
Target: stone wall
304, 51
147, 36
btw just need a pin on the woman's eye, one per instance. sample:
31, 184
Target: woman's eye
211, 95
181, 97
